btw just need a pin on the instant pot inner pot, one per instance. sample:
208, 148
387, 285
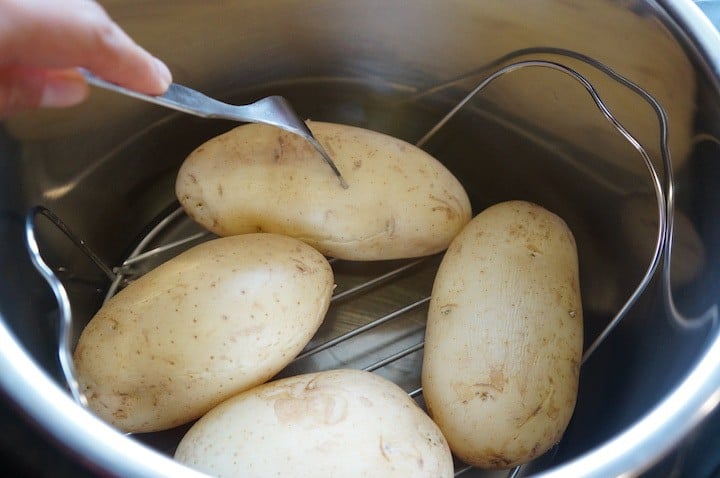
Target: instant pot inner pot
111, 179
495, 160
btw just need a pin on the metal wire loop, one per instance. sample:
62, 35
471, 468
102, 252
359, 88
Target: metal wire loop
64, 309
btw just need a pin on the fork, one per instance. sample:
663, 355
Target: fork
272, 110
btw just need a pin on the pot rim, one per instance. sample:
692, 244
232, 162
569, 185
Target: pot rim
102, 448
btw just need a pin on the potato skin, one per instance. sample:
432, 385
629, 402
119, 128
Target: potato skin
504, 336
217, 319
325, 424
401, 201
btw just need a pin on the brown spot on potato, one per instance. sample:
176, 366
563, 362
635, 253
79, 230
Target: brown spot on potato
311, 385
546, 404
313, 409
456, 248
535, 449
534, 250
486, 395
330, 215
477, 391
444, 206
498, 380
382, 449
495, 459
447, 308
302, 266
278, 153
552, 412
390, 227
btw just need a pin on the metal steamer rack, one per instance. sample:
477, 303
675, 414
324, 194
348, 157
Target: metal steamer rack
385, 273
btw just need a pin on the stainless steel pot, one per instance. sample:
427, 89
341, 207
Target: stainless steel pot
107, 168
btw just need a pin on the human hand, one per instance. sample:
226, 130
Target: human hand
43, 42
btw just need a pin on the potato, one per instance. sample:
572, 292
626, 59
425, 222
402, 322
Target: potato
217, 319
504, 336
327, 424
401, 201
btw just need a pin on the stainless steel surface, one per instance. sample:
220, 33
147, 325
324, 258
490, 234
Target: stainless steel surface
534, 135
139, 254
271, 110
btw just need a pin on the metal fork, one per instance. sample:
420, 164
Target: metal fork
272, 110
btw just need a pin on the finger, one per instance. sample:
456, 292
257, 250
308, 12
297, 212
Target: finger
25, 88
72, 33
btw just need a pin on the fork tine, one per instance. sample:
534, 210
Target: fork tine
277, 111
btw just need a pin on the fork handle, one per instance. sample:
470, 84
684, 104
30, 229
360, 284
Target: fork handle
177, 97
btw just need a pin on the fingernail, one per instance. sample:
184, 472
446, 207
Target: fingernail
63, 92
163, 73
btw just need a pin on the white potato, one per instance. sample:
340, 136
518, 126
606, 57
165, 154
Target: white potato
217, 319
337, 423
504, 336
401, 201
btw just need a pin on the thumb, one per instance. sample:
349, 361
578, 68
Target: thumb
23, 88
